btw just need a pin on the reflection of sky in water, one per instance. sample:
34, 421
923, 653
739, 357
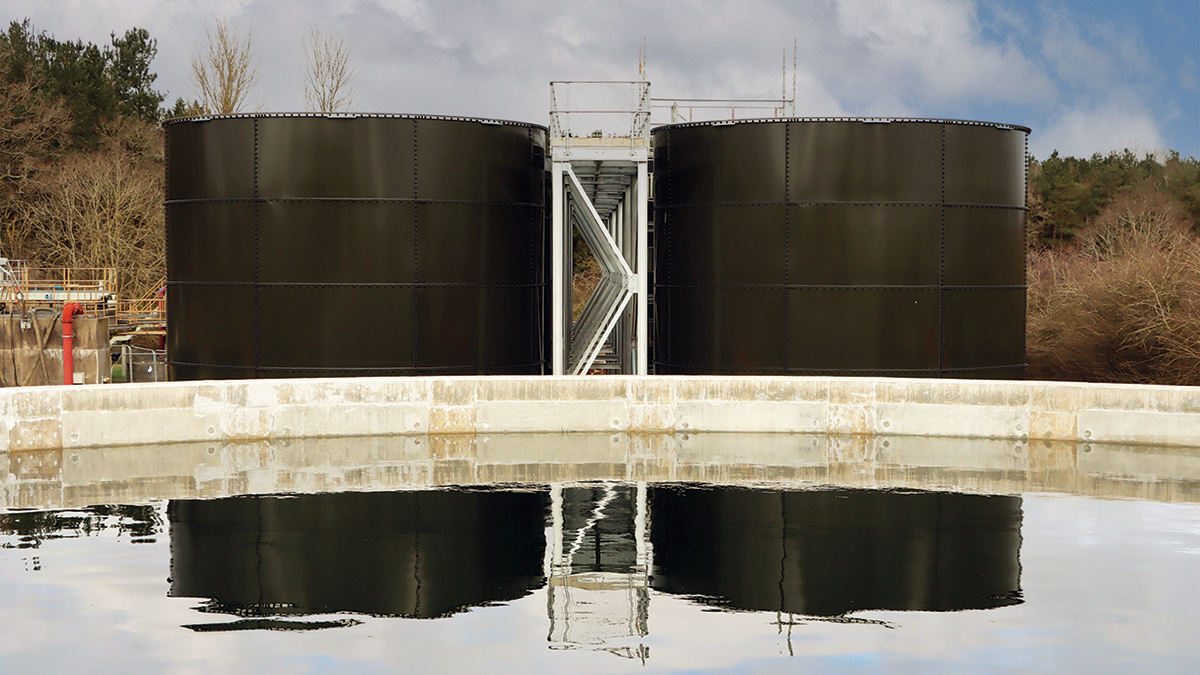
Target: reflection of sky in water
1108, 585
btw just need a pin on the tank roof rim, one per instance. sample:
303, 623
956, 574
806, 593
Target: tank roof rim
355, 115
868, 120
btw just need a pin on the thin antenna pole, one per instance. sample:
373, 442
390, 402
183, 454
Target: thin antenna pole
795, 42
783, 87
642, 60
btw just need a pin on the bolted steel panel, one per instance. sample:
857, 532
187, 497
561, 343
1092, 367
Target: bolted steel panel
858, 329
849, 161
984, 247
366, 158
979, 326
335, 242
985, 165
210, 159
311, 245
223, 311
862, 244
210, 241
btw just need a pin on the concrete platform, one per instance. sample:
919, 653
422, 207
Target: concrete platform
39, 418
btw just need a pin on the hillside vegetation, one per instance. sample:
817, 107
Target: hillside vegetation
1114, 269
81, 169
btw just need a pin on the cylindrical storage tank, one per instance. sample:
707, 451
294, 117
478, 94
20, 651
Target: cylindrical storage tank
847, 246
314, 245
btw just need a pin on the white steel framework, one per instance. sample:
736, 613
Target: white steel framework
600, 188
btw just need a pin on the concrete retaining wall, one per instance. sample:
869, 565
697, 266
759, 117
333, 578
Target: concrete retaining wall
131, 414
31, 350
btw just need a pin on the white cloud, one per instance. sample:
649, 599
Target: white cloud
1111, 127
1091, 54
925, 51
1001, 60
1189, 74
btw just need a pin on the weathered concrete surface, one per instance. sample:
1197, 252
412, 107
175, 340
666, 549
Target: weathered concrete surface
236, 411
33, 356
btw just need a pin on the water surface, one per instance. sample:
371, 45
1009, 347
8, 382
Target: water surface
663, 555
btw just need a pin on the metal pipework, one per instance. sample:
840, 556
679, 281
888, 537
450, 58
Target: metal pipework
68, 337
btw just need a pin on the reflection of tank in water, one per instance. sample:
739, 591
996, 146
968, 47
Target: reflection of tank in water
599, 553
414, 554
831, 552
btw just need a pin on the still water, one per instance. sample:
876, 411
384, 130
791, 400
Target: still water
585, 574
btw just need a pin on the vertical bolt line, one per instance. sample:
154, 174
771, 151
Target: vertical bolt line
787, 242
529, 228
415, 256
256, 236
667, 242
1024, 264
942, 264
166, 246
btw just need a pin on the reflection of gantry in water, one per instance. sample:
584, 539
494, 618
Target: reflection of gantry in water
598, 561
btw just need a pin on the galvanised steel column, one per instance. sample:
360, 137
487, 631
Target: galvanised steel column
643, 270
560, 283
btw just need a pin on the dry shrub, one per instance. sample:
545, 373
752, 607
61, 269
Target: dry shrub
583, 285
104, 209
32, 135
1135, 220
1122, 306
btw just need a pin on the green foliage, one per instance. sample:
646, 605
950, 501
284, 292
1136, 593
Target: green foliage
1066, 194
1181, 179
96, 84
129, 70
184, 108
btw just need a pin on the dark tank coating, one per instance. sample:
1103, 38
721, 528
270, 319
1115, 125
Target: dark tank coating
312, 245
849, 246
419, 554
829, 552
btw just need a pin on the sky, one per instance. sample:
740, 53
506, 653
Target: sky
1086, 76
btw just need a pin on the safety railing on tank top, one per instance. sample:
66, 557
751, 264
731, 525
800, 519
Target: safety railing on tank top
709, 109
596, 109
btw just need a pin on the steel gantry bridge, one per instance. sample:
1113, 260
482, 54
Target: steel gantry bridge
600, 153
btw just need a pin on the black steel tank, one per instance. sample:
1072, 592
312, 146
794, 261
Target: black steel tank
889, 247
314, 245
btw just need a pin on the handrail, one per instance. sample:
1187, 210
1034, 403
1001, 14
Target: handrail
638, 112
22, 286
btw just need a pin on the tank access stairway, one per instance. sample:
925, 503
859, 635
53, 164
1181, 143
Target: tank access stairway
600, 188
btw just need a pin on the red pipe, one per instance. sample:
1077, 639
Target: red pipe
68, 323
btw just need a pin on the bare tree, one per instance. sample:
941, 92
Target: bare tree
104, 209
328, 73
224, 73
33, 133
